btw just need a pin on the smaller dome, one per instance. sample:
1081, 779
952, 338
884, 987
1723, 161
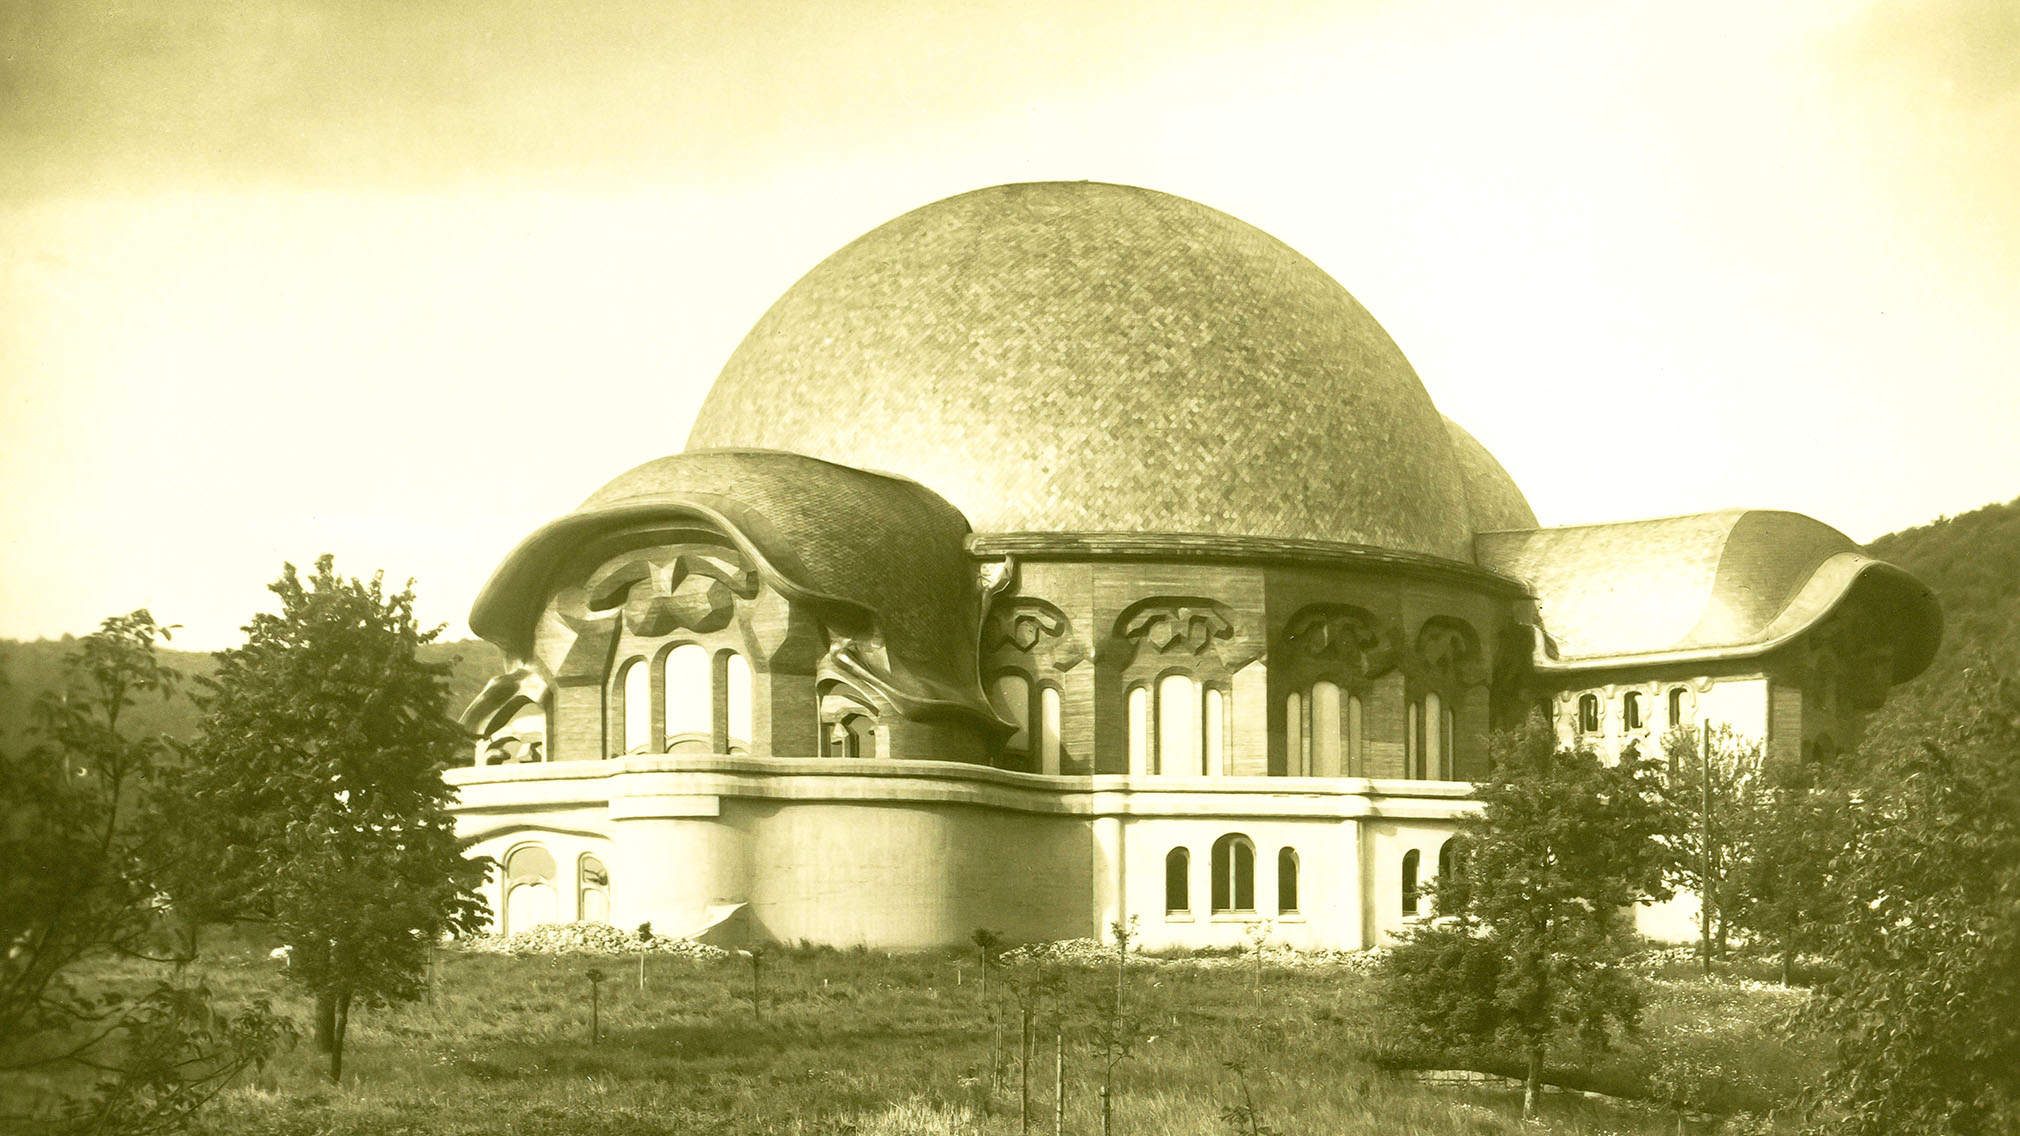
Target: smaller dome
1493, 502
860, 548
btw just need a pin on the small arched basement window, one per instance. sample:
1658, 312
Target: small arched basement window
1287, 881
529, 888
1177, 882
592, 889
1411, 891
1233, 874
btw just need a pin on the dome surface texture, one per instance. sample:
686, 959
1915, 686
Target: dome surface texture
1075, 356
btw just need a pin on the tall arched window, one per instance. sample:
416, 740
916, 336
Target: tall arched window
1445, 732
1048, 730
1434, 737
1413, 741
592, 890
1178, 726
1630, 710
1013, 700
1411, 891
1297, 742
1356, 743
635, 687
1588, 713
1138, 712
1677, 705
1233, 874
1177, 882
737, 701
1287, 881
529, 888
1216, 732
690, 700
1327, 735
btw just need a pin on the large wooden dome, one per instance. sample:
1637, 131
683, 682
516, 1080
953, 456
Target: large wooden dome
1075, 356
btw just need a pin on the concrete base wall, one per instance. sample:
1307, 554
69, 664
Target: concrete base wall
910, 855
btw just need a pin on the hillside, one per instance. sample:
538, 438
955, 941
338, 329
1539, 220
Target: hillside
1973, 562
28, 668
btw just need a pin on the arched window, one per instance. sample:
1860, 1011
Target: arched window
1177, 882
1287, 881
1233, 874
1588, 713
1411, 892
1630, 710
529, 888
1178, 726
1451, 861
1677, 706
1434, 737
1048, 730
635, 690
592, 890
690, 700
737, 701
1413, 741
1216, 732
1013, 700
1356, 744
1297, 747
1138, 711
1326, 732
851, 735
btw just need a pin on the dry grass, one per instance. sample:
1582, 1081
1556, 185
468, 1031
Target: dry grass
852, 1042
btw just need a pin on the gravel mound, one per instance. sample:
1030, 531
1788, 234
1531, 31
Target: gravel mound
588, 939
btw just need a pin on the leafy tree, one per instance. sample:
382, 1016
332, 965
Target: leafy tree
80, 875
1780, 890
1925, 931
317, 789
1563, 847
1713, 819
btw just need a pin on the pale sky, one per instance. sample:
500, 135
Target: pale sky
402, 282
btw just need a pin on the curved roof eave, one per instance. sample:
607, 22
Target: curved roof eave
1824, 592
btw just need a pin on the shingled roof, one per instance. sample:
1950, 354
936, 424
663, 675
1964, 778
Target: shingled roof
859, 547
1726, 584
1075, 356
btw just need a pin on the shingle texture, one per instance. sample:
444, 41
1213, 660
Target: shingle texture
1070, 356
1726, 582
1492, 500
885, 544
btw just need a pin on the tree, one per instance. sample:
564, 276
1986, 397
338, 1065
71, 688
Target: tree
1714, 798
317, 797
1562, 848
1924, 933
1780, 889
80, 879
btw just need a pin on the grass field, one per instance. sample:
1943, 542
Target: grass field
853, 1042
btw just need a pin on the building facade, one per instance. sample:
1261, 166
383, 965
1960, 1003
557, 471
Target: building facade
1063, 553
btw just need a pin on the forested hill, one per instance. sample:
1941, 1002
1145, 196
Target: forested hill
28, 668
1973, 562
